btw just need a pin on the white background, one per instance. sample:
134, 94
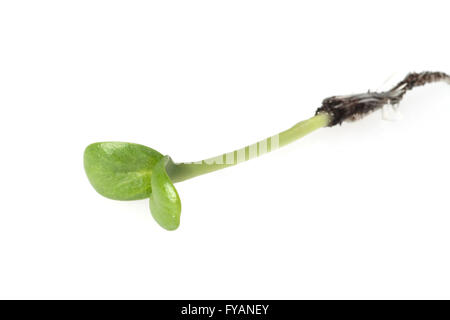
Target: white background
357, 211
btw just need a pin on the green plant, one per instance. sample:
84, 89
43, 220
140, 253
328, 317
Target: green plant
128, 171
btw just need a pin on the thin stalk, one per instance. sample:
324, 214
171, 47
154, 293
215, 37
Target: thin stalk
334, 111
183, 171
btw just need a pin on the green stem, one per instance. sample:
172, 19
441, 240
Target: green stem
183, 171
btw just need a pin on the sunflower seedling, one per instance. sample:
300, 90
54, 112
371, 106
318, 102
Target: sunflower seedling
128, 171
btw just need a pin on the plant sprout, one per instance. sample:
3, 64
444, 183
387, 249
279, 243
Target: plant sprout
128, 171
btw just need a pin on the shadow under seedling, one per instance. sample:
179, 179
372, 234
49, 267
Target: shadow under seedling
128, 171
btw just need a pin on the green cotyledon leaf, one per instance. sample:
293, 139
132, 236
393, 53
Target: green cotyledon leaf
165, 203
121, 170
